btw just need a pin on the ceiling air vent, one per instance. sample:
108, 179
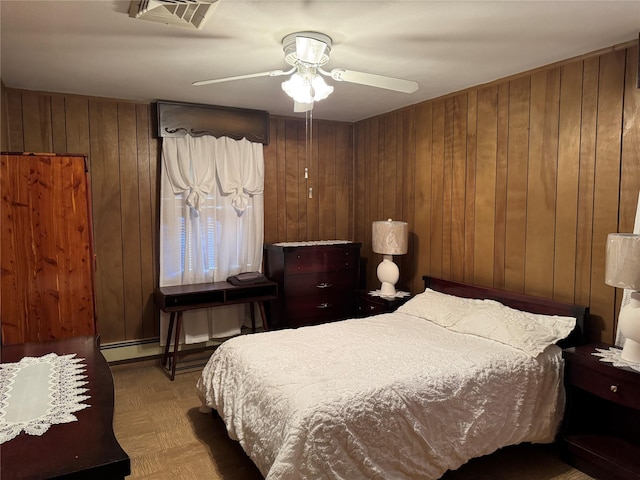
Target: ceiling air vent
183, 13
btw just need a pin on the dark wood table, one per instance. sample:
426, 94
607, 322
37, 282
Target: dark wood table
180, 298
86, 448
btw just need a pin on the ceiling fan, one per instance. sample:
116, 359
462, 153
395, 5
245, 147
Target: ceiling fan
307, 53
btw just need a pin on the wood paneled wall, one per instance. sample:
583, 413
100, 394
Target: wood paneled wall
514, 185
123, 158
290, 213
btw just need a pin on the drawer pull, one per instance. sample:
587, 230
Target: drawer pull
614, 388
323, 305
324, 285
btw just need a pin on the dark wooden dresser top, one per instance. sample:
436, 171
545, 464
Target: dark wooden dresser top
86, 448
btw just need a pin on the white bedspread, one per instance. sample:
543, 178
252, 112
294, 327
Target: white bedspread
385, 397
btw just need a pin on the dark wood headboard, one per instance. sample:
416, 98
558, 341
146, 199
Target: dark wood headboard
518, 301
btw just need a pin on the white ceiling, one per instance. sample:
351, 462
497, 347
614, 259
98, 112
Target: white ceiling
95, 48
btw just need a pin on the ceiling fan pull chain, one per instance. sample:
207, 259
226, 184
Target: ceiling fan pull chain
310, 138
306, 146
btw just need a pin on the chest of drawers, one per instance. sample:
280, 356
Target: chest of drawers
317, 282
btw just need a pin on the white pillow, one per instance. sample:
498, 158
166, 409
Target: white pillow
528, 332
440, 308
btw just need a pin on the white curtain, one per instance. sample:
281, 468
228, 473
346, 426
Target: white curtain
211, 223
626, 296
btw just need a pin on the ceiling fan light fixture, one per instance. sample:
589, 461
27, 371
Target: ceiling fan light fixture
306, 88
298, 88
320, 88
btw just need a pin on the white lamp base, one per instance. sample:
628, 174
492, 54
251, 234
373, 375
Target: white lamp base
388, 274
631, 351
629, 323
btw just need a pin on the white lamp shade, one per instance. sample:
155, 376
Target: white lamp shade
390, 237
298, 88
623, 261
320, 88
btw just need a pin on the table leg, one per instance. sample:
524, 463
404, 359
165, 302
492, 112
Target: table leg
253, 317
165, 357
264, 316
175, 346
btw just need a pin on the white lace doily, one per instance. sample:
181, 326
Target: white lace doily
38, 392
612, 355
398, 294
312, 243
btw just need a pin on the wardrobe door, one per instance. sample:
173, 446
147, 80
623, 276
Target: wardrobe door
46, 256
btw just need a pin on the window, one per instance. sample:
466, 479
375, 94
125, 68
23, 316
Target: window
211, 219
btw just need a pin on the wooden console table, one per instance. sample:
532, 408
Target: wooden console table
180, 298
86, 448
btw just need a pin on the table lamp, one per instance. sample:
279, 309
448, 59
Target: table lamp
623, 271
389, 238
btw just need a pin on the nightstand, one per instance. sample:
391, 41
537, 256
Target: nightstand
371, 305
601, 428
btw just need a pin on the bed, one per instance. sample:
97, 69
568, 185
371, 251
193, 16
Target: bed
456, 372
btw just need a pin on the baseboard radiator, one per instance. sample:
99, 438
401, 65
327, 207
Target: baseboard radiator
144, 349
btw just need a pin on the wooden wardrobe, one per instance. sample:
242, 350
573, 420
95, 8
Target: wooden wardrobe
46, 254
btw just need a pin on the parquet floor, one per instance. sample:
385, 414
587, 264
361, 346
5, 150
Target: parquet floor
158, 424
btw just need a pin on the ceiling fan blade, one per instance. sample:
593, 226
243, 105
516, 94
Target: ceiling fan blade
271, 73
380, 81
309, 50
302, 107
